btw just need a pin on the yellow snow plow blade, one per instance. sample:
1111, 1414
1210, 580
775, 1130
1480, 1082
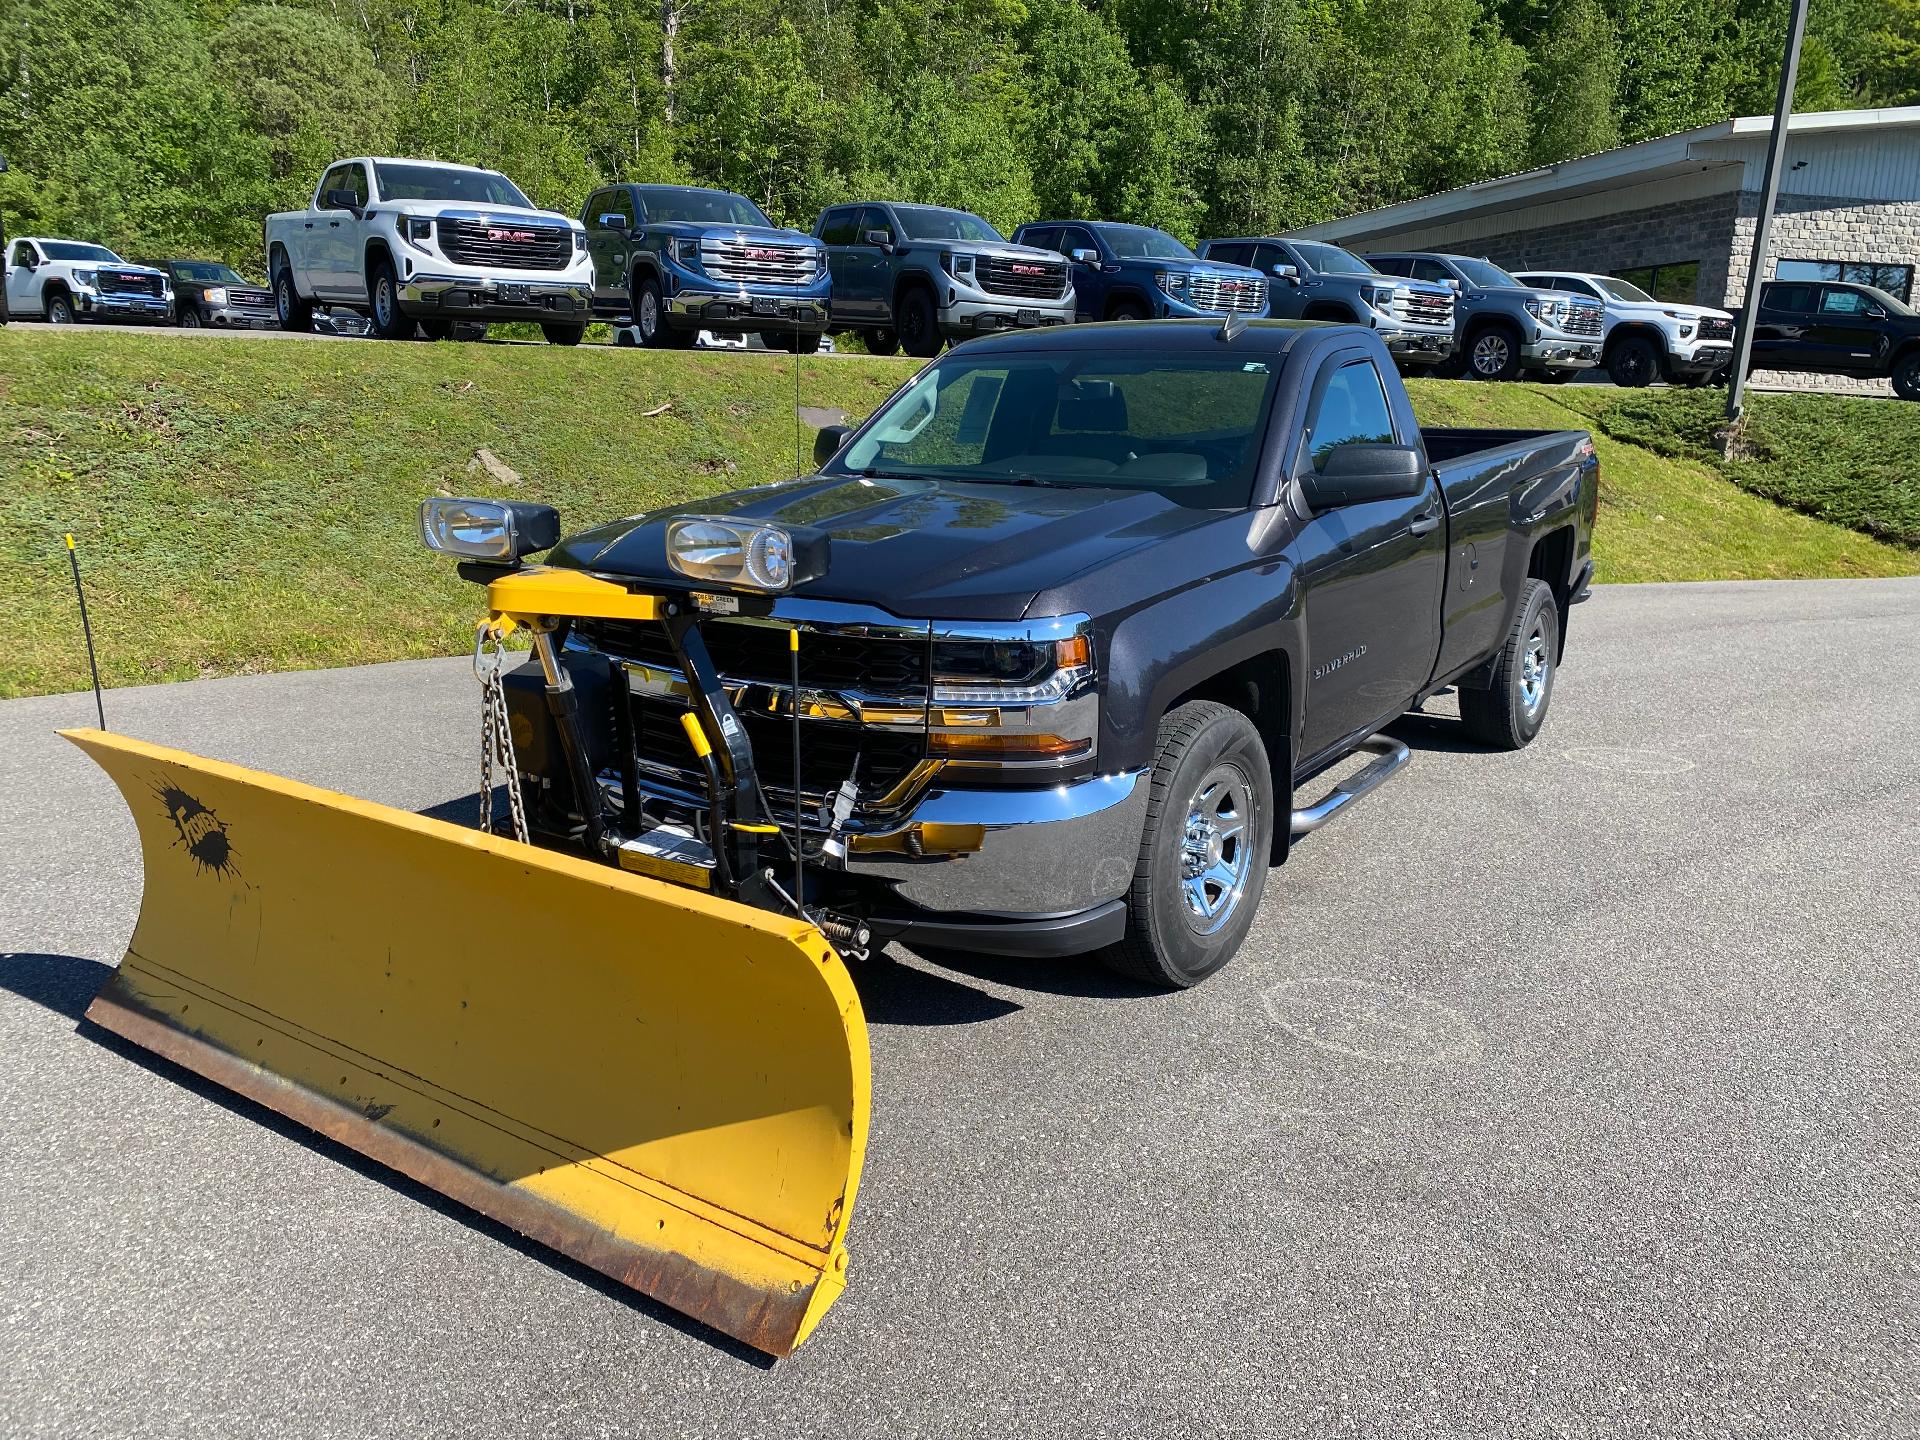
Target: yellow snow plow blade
669, 1087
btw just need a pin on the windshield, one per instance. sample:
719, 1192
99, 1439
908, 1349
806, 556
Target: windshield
1138, 242
702, 207
1484, 273
1186, 427
205, 272
1331, 259
928, 222
1621, 290
77, 250
444, 182
1893, 303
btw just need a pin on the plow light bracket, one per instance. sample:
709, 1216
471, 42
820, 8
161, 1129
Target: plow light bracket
745, 554
499, 531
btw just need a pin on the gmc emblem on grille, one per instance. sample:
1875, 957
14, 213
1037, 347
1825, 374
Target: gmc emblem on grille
763, 254
1029, 269
510, 235
1236, 286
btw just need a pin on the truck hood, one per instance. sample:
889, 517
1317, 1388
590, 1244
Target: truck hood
1197, 266
768, 234
1401, 282
462, 210
113, 267
917, 548
1006, 249
1653, 309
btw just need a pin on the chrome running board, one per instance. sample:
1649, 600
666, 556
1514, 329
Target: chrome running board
1389, 755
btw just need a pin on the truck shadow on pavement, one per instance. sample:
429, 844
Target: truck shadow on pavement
66, 984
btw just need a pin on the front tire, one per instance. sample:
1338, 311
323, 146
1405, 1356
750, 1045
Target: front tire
187, 317
1634, 363
1126, 310
920, 324
1494, 354
1204, 851
563, 334
60, 310
1510, 711
294, 313
650, 319
390, 322
1906, 375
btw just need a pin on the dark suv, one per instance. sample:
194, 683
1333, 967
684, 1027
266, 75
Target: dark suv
1838, 329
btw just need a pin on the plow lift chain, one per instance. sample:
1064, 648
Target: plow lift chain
496, 732
739, 821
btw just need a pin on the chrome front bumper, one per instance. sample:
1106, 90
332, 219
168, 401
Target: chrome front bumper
1706, 358
146, 307
1010, 853
1417, 344
491, 299
743, 310
1570, 353
977, 311
229, 317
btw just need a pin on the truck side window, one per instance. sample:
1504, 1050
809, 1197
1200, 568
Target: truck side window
1842, 302
1074, 237
1351, 409
874, 218
1041, 237
357, 182
1231, 252
1794, 299
1387, 265
1265, 257
334, 179
1431, 270
841, 227
22, 254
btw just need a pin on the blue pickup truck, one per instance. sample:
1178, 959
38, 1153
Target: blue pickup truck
1133, 272
679, 260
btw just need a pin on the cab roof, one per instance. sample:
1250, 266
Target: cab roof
1258, 337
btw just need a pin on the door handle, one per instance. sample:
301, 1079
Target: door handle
309, 224
333, 224
1425, 524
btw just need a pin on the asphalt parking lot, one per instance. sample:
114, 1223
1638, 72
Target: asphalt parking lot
1566, 1093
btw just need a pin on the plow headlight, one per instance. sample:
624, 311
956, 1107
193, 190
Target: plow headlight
497, 530
744, 553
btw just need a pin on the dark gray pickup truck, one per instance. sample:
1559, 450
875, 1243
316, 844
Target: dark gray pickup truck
1078, 616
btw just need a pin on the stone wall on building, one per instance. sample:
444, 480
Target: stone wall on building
1669, 234
1823, 227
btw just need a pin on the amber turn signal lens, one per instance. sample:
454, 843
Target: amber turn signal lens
977, 746
1073, 653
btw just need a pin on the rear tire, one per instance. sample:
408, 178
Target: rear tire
1634, 363
438, 328
880, 342
295, 314
1204, 851
1906, 375
787, 342
1510, 711
390, 322
1494, 353
920, 324
60, 309
563, 334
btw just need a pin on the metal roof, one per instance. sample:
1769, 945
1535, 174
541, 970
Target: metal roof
1711, 147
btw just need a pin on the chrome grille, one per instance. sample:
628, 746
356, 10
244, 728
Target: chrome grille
1025, 279
506, 244
1584, 320
1227, 293
756, 262
1713, 327
258, 300
1423, 307
121, 282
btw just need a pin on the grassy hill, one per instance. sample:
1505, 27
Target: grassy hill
248, 505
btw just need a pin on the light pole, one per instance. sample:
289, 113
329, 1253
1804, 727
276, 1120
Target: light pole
1763, 222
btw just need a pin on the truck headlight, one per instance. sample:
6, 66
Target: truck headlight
1173, 282
1014, 695
498, 530
215, 295
958, 266
1381, 297
419, 229
579, 242
86, 279
745, 554
687, 252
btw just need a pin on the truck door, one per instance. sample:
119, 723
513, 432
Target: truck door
870, 270
1845, 330
336, 235
21, 299
608, 245
1371, 569
1783, 328
1091, 288
839, 229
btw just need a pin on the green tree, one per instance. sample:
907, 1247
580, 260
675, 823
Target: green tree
1576, 80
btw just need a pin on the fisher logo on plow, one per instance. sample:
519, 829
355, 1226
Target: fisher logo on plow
200, 831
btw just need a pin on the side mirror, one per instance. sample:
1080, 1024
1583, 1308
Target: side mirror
1453, 284
611, 221
828, 442
1288, 273
1356, 473
878, 238
341, 200
1084, 256
1876, 312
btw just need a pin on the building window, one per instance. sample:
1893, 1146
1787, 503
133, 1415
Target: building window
1678, 282
1896, 280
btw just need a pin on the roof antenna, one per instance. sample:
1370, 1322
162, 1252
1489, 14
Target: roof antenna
1232, 327
86, 629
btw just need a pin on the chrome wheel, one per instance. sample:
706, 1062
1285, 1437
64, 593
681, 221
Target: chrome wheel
1492, 354
383, 303
1215, 857
649, 317
1536, 670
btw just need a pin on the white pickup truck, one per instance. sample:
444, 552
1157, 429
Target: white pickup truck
414, 243
1647, 339
62, 281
